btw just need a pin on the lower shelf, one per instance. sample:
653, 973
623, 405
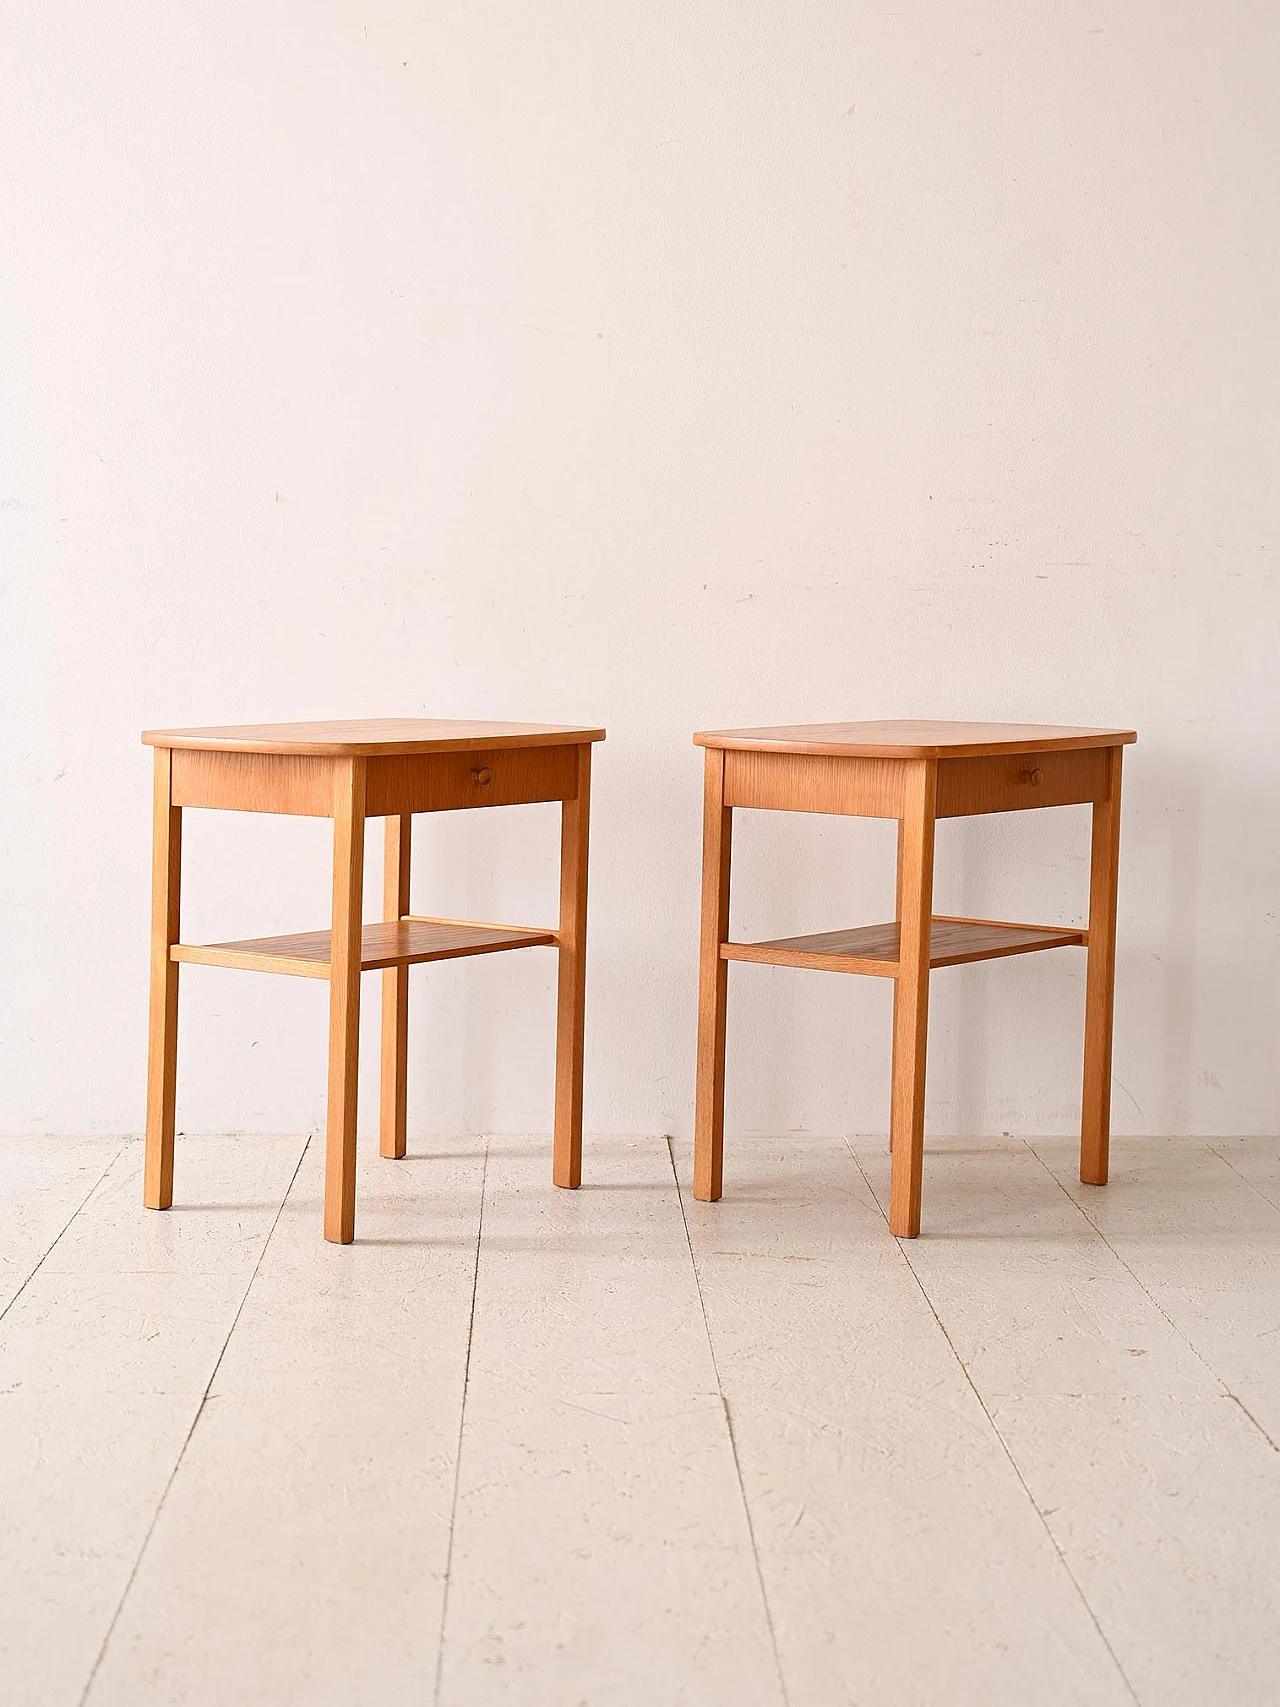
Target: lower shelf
397, 942
873, 949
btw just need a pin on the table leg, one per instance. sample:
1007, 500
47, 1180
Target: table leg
571, 982
162, 1046
1100, 979
344, 1001
395, 995
911, 997
897, 913
713, 983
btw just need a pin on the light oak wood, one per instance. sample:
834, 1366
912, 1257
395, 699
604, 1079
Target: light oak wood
344, 1001
897, 882
911, 739
1104, 866
897, 919
873, 950
916, 772
801, 782
365, 737
162, 1045
394, 1097
713, 982
451, 782
1021, 782
351, 771
571, 982
543, 935
253, 782
404, 942
911, 1010
400, 784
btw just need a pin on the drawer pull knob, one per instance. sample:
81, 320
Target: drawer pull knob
1033, 777
484, 776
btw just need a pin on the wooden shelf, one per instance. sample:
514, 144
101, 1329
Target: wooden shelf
404, 942
873, 949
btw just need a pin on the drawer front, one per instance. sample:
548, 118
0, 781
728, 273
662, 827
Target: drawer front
814, 782
452, 782
1018, 782
289, 783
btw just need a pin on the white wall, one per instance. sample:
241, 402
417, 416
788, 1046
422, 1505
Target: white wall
670, 366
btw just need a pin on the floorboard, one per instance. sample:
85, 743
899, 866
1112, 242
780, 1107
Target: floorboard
903, 1559
1105, 1330
43, 1184
104, 1360
301, 1552
615, 1447
601, 1549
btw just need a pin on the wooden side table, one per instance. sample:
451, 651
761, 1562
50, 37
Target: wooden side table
351, 771
916, 773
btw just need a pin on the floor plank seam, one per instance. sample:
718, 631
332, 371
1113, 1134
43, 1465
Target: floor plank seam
107, 1167
462, 1418
1255, 1187
1004, 1444
728, 1423
1237, 1400
186, 1442
1146, 1292
1252, 1184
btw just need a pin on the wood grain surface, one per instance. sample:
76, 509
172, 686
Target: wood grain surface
370, 736
393, 942
873, 949
913, 739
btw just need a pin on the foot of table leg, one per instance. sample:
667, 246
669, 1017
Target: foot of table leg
393, 1118
713, 983
911, 999
344, 1001
1095, 1123
162, 1049
571, 986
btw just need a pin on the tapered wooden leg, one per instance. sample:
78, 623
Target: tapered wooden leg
713, 983
395, 996
1100, 980
571, 987
162, 1046
897, 913
911, 998
344, 1001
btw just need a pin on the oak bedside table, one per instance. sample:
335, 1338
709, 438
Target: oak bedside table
916, 773
387, 768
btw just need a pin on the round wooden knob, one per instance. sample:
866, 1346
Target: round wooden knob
484, 776
1033, 777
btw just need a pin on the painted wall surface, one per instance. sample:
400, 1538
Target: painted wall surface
666, 366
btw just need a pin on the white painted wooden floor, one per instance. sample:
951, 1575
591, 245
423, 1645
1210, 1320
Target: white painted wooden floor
612, 1447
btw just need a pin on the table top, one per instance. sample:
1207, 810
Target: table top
908, 739
370, 737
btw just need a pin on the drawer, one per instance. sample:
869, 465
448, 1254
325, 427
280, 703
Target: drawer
1019, 782
289, 783
814, 782
451, 782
